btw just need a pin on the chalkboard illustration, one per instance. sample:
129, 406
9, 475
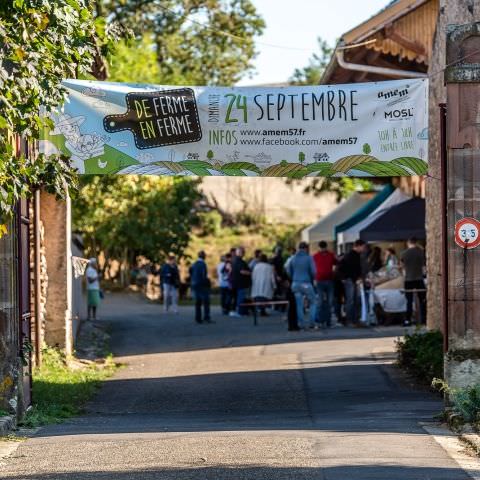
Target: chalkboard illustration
235, 157
158, 119
260, 157
144, 157
423, 135
68, 126
87, 146
93, 92
321, 157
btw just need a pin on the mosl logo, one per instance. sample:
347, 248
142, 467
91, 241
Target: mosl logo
398, 114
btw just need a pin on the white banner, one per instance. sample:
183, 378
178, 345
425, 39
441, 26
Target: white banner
363, 129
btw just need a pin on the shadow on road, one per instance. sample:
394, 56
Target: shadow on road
140, 328
357, 472
350, 397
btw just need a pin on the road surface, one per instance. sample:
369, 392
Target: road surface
233, 401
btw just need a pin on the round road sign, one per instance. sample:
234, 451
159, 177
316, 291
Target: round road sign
467, 233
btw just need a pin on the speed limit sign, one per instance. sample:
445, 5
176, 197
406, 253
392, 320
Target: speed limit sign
467, 233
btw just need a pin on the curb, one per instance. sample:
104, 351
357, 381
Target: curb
471, 439
7, 424
454, 447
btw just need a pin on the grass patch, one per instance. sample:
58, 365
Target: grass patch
421, 354
61, 388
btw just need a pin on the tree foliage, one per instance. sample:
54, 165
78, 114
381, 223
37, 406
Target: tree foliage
41, 42
312, 73
203, 42
127, 216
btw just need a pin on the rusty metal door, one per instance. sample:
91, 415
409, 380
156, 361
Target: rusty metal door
24, 305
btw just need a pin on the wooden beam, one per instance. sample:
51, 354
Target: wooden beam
397, 37
360, 77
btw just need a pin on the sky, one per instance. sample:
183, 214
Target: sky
297, 24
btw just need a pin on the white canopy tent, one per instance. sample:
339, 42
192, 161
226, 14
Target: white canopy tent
324, 228
353, 233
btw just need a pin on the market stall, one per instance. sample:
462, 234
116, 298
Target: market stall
353, 233
325, 227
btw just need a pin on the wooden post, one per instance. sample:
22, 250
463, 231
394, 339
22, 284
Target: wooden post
462, 76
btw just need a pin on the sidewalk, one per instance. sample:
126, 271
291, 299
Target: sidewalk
233, 401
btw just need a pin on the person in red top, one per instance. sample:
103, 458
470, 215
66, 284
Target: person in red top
325, 262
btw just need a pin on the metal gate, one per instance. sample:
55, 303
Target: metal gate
24, 305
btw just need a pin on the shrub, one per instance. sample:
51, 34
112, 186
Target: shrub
465, 401
421, 353
210, 223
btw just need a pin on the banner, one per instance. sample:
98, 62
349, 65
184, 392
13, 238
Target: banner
369, 129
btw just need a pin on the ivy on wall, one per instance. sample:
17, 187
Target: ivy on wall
41, 43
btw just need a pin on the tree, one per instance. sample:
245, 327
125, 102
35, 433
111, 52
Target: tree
301, 157
42, 43
210, 155
367, 150
194, 42
312, 73
343, 187
135, 60
127, 216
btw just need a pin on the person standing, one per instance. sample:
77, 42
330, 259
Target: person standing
224, 270
325, 262
263, 282
413, 261
200, 285
255, 259
93, 288
375, 262
350, 272
391, 260
233, 293
301, 270
289, 295
170, 279
241, 281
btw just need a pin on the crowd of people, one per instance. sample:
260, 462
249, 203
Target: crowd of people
322, 290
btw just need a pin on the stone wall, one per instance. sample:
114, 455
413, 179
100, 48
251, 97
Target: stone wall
451, 12
272, 198
56, 220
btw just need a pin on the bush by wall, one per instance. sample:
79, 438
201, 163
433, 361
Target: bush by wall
421, 354
465, 402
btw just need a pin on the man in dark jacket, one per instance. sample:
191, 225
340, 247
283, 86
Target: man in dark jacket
413, 262
241, 281
350, 271
200, 285
170, 280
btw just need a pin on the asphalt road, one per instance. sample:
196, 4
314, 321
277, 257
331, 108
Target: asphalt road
233, 401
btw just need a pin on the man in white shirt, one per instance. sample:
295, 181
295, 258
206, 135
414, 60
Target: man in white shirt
263, 282
224, 270
93, 288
